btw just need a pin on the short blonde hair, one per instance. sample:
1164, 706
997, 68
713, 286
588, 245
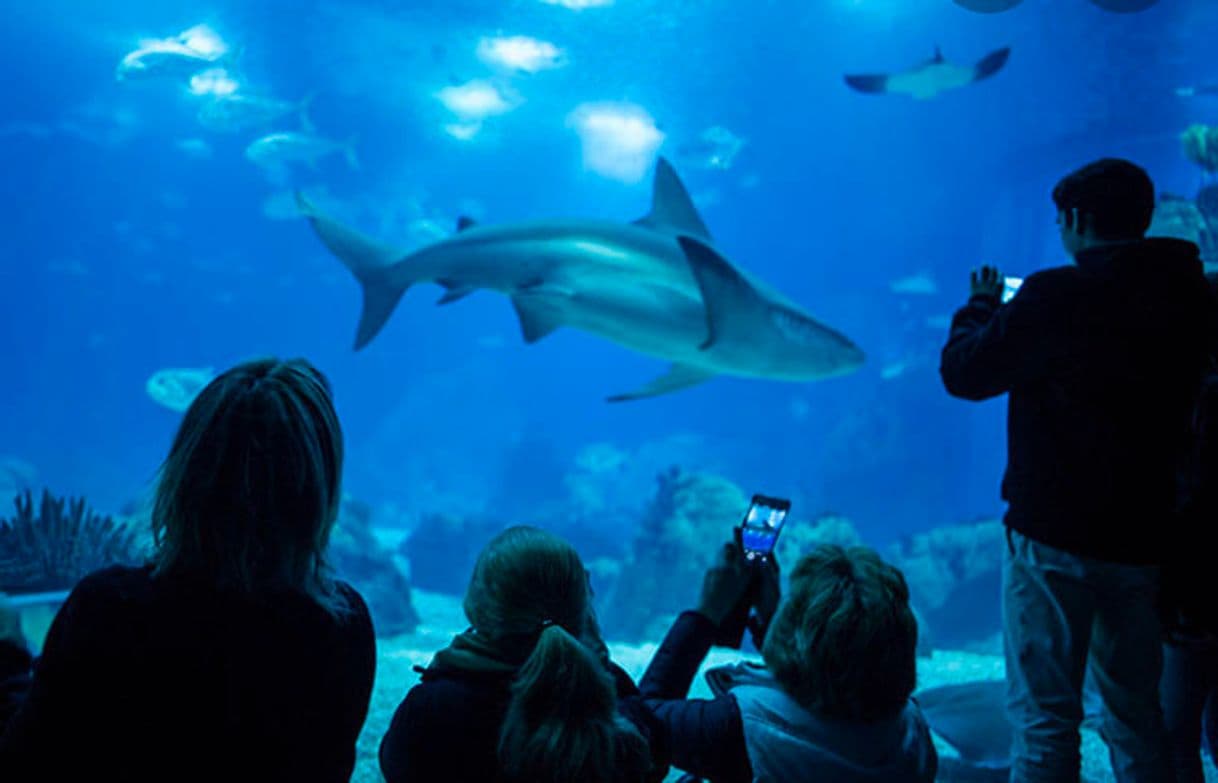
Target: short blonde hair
250, 490
843, 642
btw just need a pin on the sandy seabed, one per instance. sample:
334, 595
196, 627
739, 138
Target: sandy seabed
441, 618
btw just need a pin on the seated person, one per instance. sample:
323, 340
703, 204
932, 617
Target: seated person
833, 700
527, 693
234, 654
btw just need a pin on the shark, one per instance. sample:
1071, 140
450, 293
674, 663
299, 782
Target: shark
932, 77
658, 286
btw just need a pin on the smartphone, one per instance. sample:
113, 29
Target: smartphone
762, 524
1009, 286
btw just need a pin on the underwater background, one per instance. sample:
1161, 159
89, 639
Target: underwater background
141, 234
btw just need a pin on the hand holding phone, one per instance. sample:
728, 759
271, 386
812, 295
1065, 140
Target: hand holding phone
756, 536
726, 582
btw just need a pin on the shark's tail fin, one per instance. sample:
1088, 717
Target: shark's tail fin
371, 262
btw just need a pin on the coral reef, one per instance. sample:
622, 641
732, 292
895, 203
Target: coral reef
360, 558
799, 538
1193, 220
1179, 218
690, 514
52, 547
1201, 146
954, 576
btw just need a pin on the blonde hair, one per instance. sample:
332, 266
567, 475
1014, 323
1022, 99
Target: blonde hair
530, 590
843, 642
250, 490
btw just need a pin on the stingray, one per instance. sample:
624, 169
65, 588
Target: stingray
932, 77
971, 717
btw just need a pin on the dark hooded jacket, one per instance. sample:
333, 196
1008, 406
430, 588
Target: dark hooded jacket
448, 726
1102, 361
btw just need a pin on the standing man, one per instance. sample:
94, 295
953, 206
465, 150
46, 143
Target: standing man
1102, 360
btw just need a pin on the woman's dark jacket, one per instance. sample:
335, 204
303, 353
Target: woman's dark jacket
155, 679
447, 728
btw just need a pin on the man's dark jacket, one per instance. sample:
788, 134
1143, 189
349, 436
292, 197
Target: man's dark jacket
1102, 361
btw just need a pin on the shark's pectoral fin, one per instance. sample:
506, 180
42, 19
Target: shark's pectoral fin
991, 64
731, 302
868, 83
672, 210
456, 291
464, 222
538, 316
680, 376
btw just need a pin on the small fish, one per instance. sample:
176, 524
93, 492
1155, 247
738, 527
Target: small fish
178, 57
277, 150
235, 113
921, 284
177, 388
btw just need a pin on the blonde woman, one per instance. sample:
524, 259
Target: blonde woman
235, 654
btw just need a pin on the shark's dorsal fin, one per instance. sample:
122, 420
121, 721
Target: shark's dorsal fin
538, 318
938, 58
726, 295
464, 222
672, 210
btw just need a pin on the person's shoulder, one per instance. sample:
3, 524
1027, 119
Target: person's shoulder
1052, 277
440, 703
117, 582
356, 606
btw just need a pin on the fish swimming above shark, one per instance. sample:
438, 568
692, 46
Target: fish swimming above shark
932, 77
658, 286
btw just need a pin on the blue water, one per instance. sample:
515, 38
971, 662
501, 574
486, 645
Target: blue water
124, 254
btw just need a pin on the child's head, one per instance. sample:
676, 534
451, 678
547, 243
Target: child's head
843, 641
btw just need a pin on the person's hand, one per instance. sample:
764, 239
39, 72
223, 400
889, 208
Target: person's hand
986, 281
724, 583
10, 623
766, 603
769, 590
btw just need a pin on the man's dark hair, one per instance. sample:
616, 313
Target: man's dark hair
1117, 197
